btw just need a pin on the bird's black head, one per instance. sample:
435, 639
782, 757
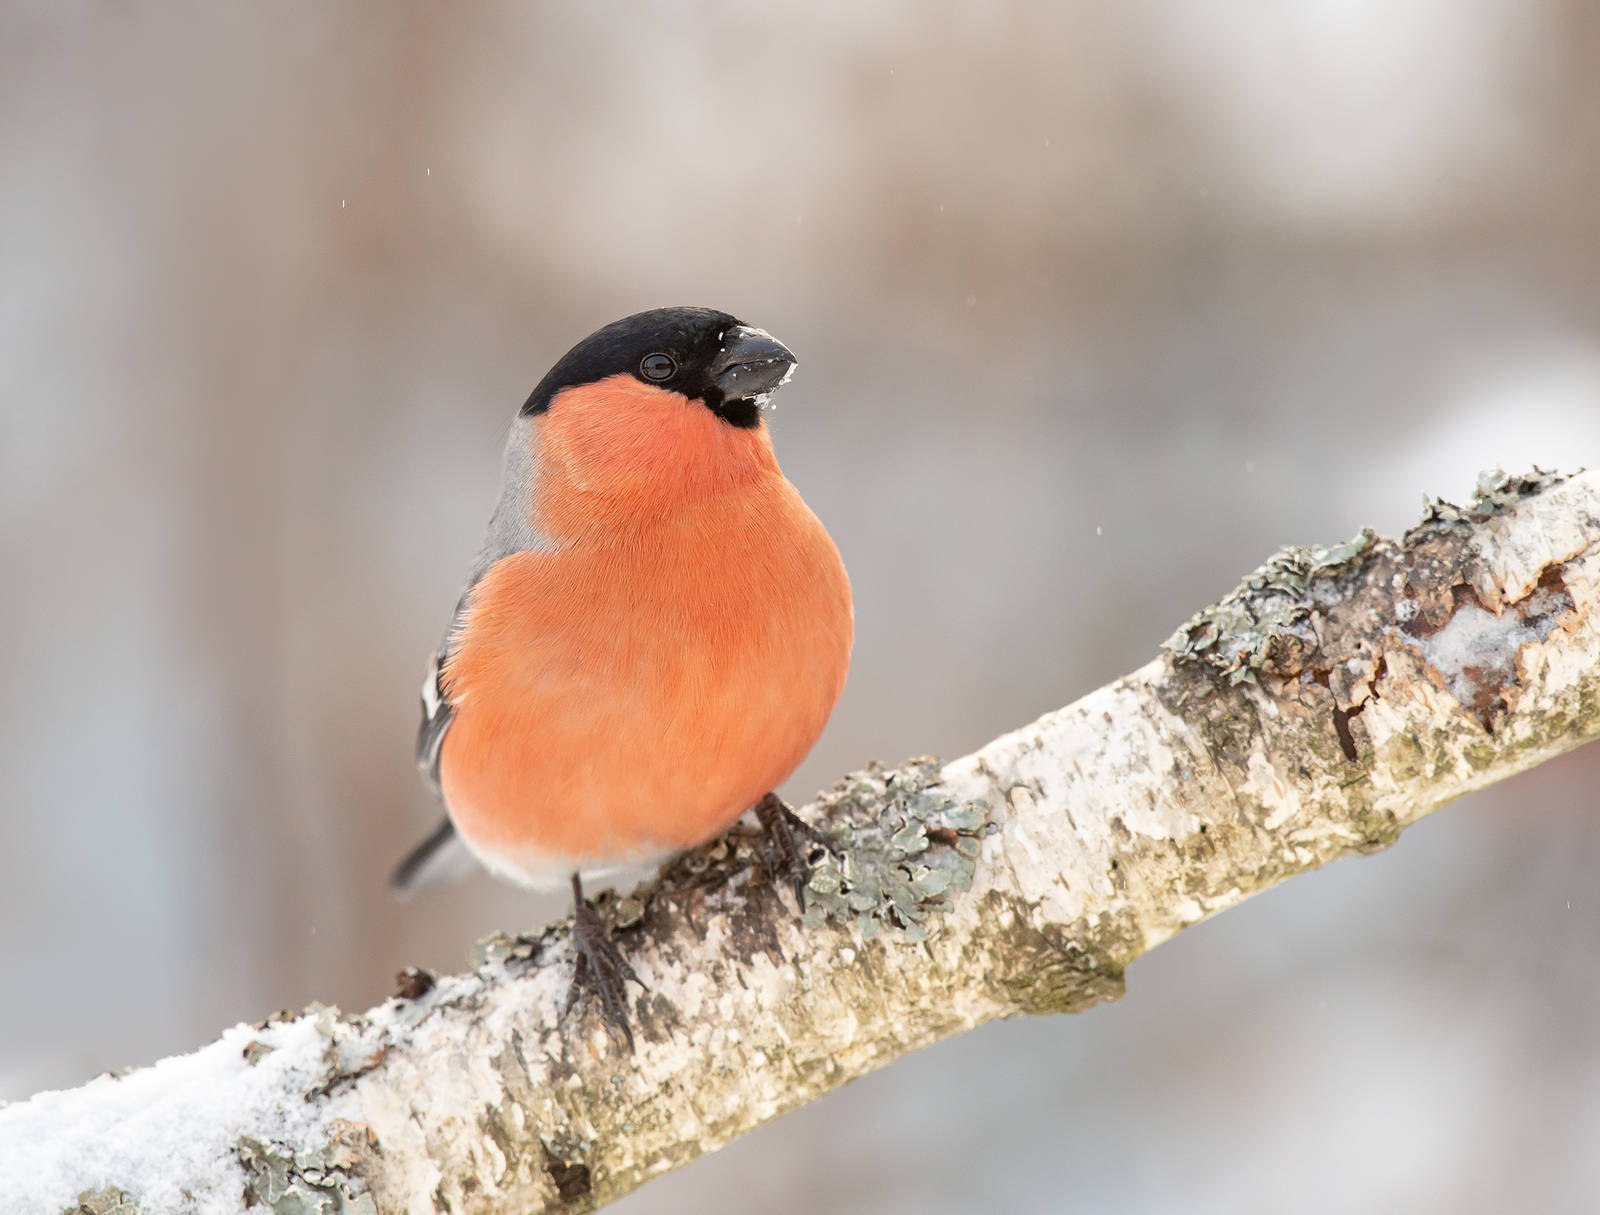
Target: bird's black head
706, 355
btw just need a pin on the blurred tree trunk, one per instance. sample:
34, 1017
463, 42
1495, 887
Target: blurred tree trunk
1333, 699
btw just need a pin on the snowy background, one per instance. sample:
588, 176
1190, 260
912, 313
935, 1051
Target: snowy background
1095, 307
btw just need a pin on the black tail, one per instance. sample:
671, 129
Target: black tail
438, 858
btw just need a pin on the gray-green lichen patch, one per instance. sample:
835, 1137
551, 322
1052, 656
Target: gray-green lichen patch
1265, 623
105, 1201
308, 1183
901, 847
1496, 492
1443, 563
1268, 626
1313, 626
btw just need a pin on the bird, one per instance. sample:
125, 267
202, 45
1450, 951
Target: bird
653, 635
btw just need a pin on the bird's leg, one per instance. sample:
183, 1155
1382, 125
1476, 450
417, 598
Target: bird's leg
600, 969
792, 839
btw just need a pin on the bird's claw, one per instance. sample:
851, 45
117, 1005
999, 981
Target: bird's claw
792, 843
601, 971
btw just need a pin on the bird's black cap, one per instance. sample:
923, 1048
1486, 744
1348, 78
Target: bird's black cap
706, 355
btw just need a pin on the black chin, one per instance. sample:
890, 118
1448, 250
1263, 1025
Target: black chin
742, 412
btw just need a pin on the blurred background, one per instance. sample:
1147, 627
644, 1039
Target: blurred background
1096, 305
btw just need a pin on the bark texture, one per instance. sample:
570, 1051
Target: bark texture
1334, 698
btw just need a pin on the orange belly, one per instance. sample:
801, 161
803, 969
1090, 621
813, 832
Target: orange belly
624, 701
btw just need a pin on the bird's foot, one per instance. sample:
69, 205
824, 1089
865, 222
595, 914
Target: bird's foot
600, 970
792, 841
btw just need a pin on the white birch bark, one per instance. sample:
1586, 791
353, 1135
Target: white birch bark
1335, 698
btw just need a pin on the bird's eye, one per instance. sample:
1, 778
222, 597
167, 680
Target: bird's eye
657, 367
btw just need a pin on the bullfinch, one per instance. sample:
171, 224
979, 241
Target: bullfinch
652, 636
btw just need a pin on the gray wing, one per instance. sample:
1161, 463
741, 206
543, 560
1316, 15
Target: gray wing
443, 855
437, 713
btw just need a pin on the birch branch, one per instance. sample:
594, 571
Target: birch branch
1334, 698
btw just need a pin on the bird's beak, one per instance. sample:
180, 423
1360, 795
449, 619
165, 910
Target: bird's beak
751, 363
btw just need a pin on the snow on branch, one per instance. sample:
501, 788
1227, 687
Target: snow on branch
1333, 699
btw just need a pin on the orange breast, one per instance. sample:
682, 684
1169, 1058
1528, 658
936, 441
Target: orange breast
635, 697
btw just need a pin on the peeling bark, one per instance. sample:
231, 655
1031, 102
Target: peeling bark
1333, 699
